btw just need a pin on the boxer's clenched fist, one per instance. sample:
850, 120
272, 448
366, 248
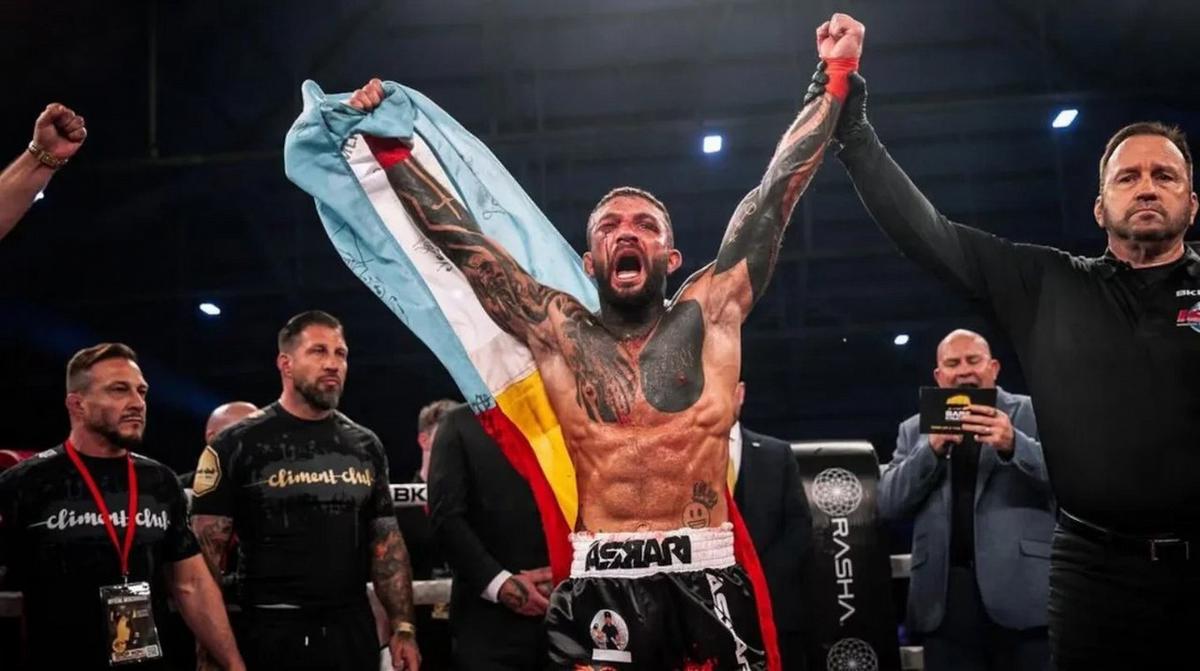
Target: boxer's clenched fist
840, 37
368, 97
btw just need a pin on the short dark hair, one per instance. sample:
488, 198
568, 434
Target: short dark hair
637, 193
1172, 133
80, 365
431, 414
296, 325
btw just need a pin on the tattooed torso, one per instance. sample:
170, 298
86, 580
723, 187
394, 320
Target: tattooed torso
646, 420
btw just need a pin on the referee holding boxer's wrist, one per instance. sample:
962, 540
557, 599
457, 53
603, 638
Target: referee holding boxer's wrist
1110, 347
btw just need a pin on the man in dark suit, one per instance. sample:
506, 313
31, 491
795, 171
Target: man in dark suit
433, 631
770, 496
487, 525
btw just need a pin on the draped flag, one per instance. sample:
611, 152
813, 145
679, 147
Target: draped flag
338, 155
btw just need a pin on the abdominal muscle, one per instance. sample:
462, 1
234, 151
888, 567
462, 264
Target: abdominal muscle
657, 478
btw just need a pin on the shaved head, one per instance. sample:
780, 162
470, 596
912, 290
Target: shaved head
964, 359
963, 334
225, 416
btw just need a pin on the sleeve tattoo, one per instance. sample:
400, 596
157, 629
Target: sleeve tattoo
512, 297
213, 532
756, 228
391, 570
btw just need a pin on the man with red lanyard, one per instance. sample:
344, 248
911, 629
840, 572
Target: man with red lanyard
95, 535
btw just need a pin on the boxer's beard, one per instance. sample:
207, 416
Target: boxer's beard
653, 289
1173, 225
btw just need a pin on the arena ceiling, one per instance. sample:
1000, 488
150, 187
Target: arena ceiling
179, 195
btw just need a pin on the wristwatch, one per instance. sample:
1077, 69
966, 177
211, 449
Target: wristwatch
407, 629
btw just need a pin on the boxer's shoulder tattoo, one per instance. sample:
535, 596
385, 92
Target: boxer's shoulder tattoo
697, 514
391, 570
672, 370
605, 382
213, 532
516, 301
756, 228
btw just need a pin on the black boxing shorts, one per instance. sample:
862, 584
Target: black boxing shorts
672, 600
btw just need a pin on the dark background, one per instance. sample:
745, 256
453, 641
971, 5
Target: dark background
179, 196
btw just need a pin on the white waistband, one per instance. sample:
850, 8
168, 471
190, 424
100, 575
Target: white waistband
642, 553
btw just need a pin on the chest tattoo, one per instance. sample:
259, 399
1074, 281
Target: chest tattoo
672, 370
605, 385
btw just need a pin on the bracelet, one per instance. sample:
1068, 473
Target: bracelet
405, 629
46, 158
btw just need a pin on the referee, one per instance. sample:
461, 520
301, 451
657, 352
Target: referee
1110, 346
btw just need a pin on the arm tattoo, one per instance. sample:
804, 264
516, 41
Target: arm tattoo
213, 532
515, 598
757, 226
513, 298
390, 569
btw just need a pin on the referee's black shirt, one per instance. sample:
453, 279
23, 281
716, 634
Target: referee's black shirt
1111, 354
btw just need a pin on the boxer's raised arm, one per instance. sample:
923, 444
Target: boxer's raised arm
751, 244
516, 301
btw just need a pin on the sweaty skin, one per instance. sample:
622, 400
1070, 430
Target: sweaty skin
645, 407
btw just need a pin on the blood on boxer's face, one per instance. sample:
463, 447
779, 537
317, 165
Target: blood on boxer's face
630, 250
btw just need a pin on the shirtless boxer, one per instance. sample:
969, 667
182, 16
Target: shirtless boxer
644, 393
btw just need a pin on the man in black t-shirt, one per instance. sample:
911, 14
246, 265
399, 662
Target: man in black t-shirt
60, 550
306, 491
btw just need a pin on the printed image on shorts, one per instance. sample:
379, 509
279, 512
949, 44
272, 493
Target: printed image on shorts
610, 635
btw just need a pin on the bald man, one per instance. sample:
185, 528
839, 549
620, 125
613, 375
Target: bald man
983, 519
221, 418
225, 416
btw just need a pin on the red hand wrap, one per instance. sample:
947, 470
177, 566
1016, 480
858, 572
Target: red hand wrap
839, 70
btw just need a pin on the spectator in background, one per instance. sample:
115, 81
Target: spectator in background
180, 645
427, 424
66, 514
225, 416
306, 491
433, 621
221, 418
489, 529
770, 496
57, 134
984, 517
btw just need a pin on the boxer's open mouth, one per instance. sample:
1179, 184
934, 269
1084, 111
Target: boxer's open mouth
627, 265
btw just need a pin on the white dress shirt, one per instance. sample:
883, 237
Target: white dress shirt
735, 449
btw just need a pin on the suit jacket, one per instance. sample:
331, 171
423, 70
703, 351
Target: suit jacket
485, 520
771, 498
1014, 522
